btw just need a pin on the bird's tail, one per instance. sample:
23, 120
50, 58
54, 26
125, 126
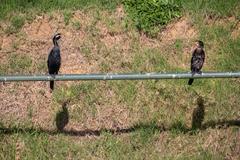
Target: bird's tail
190, 81
52, 85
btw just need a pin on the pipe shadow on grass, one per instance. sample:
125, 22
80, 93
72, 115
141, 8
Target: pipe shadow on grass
88, 132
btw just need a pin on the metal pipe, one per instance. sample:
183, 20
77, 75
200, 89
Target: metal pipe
116, 76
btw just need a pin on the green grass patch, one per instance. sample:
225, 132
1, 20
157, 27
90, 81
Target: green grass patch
144, 133
73, 92
3, 69
149, 15
229, 56
126, 90
217, 8
19, 63
149, 60
11, 6
38, 145
178, 127
67, 15
76, 25
16, 24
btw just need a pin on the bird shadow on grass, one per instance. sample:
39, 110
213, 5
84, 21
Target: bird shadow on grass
198, 117
62, 117
198, 114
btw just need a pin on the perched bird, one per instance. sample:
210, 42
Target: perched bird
54, 59
198, 57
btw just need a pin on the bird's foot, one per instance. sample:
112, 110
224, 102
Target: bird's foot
199, 72
53, 75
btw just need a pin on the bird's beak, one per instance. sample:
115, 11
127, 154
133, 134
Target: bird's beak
196, 44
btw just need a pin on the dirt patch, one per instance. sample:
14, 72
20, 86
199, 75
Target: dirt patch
6, 42
120, 12
1, 39
225, 22
181, 29
148, 42
39, 29
113, 39
209, 20
106, 117
24, 107
236, 32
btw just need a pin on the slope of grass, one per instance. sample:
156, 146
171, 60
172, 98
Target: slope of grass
9, 6
155, 117
219, 8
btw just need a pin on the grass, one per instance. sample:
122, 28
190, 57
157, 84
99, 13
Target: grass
77, 25
67, 17
218, 8
19, 63
16, 24
73, 93
126, 90
150, 60
150, 20
128, 119
45, 5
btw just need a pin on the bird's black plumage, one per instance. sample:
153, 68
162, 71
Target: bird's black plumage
198, 57
54, 59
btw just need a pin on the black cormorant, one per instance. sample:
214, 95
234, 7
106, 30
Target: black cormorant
54, 59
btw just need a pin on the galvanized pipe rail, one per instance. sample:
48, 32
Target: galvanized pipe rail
116, 76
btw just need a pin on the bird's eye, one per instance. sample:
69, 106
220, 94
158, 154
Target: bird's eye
58, 37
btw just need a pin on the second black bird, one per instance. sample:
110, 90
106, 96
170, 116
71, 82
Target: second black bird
198, 57
54, 59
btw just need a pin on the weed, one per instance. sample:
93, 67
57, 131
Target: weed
67, 15
144, 133
72, 93
3, 69
149, 60
178, 44
40, 66
30, 111
126, 90
105, 67
86, 49
77, 25
178, 127
19, 63
16, 24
